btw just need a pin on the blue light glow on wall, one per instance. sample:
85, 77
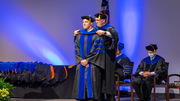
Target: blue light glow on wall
129, 22
130, 15
22, 31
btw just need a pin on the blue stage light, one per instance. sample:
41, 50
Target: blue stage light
130, 19
129, 22
26, 34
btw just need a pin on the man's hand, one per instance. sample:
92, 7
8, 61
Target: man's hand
76, 32
148, 73
100, 32
84, 62
87, 66
145, 74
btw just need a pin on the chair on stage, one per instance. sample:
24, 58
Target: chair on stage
164, 85
118, 84
175, 85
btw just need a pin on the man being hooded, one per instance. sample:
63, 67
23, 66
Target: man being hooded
149, 66
89, 57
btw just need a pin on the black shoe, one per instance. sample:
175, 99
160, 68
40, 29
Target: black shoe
138, 100
146, 99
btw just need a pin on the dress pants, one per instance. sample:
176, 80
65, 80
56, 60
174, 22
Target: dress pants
143, 87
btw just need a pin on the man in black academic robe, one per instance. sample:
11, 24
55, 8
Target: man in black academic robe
149, 66
123, 66
89, 57
110, 41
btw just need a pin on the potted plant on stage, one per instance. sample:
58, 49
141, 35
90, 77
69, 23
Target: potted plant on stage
5, 90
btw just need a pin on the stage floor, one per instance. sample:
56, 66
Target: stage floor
122, 99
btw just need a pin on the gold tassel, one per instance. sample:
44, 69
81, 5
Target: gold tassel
153, 49
117, 52
99, 17
89, 20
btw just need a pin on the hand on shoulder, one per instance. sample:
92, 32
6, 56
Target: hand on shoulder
76, 32
101, 32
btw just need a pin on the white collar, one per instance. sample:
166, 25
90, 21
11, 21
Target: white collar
119, 54
90, 30
153, 57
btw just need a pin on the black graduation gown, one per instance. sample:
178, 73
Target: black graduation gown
109, 86
42, 73
158, 65
89, 46
123, 67
143, 85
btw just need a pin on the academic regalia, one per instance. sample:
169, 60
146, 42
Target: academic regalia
89, 46
123, 67
25, 77
26, 69
110, 62
42, 73
143, 85
31, 73
91, 19
60, 74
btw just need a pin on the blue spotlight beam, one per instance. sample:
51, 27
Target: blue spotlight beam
25, 33
130, 14
130, 24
